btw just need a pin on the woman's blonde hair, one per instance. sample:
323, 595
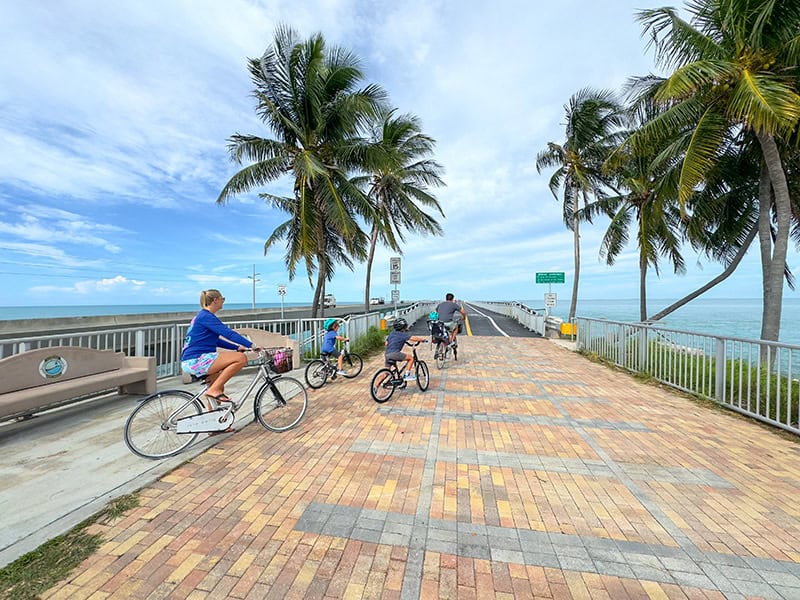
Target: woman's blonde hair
208, 296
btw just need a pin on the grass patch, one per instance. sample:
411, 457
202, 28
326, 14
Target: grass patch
37, 571
370, 344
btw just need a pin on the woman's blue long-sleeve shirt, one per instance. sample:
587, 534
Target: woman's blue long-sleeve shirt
205, 335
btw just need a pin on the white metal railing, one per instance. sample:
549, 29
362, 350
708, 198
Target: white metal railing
165, 341
527, 317
754, 377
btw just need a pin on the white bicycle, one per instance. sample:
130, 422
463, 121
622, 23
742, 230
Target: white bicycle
167, 422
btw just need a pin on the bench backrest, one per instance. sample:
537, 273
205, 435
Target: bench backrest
49, 365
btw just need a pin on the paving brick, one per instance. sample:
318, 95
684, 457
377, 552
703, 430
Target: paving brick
552, 477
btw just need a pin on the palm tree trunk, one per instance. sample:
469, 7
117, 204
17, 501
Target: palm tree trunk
373, 241
642, 287
776, 265
718, 279
577, 251
319, 307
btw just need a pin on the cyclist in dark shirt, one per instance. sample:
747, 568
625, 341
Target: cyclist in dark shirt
452, 315
394, 346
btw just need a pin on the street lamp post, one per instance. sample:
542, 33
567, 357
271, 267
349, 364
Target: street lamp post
253, 277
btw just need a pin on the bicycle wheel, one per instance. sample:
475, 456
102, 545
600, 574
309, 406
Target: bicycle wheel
423, 375
352, 364
280, 403
382, 387
441, 355
150, 428
316, 373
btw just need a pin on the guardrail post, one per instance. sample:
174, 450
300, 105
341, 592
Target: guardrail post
621, 343
643, 350
719, 371
139, 346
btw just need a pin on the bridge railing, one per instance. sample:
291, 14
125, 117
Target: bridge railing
754, 377
165, 341
527, 317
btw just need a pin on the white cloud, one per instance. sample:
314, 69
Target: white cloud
115, 120
118, 284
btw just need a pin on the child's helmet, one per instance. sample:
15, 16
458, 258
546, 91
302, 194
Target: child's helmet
400, 324
433, 316
328, 324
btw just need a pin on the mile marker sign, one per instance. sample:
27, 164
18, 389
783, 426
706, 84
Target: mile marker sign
550, 277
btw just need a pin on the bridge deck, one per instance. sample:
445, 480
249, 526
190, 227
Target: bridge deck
525, 470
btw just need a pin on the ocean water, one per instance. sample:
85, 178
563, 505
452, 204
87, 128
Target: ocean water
8, 313
730, 317
733, 317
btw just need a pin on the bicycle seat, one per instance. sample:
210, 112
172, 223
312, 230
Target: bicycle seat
202, 378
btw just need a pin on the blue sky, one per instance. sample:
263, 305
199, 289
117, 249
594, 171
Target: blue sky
115, 118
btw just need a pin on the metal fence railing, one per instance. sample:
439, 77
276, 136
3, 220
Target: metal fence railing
754, 377
165, 341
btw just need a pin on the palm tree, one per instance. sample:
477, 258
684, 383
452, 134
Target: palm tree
724, 215
645, 194
739, 59
398, 184
308, 96
591, 119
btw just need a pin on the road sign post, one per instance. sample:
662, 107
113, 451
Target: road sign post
550, 278
557, 277
281, 293
394, 278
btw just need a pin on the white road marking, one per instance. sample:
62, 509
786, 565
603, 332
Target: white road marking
491, 320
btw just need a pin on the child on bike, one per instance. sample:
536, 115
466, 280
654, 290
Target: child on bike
439, 332
394, 347
329, 342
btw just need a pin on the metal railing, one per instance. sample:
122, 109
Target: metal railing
165, 342
753, 377
527, 317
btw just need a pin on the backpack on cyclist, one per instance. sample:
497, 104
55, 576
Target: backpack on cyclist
439, 332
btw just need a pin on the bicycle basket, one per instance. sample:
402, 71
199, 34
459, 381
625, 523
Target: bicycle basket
280, 360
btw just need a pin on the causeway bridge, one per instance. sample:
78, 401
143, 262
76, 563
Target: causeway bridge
526, 470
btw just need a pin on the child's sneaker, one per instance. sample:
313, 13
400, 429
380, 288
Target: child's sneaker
341, 372
410, 377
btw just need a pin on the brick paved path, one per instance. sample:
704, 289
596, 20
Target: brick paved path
550, 478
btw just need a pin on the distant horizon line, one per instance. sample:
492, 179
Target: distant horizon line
388, 302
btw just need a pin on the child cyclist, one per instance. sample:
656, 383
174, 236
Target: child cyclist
329, 342
394, 346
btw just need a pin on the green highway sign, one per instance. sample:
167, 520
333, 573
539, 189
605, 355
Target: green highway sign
550, 277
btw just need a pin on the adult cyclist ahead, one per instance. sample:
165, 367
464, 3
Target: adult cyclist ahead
452, 315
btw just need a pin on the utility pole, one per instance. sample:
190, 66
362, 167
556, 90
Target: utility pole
253, 277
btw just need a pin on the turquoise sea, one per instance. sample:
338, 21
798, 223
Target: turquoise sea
731, 317
734, 317
8, 313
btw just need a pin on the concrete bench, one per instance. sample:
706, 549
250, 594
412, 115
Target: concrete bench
47, 377
262, 339
267, 339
